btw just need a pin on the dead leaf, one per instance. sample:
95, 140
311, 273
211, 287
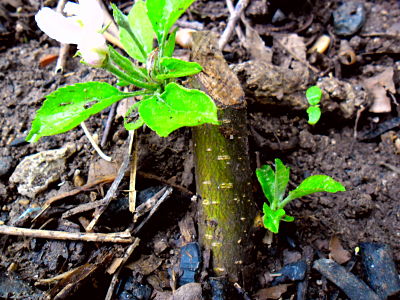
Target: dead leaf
378, 86
256, 46
123, 107
146, 264
337, 253
295, 44
100, 168
47, 59
274, 292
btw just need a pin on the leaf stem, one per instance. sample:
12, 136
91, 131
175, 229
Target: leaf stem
284, 202
113, 69
127, 65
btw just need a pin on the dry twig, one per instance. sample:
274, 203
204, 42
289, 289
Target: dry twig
108, 125
111, 191
153, 210
115, 278
234, 17
117, 237
132, 179
64, 48
74, 192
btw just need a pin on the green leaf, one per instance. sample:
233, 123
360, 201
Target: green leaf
272, 218
177, 68
315, 184
138, 122
164, 13
266, 178
128, 38
68, 106
170, 44
314, 114
273, 183
281, 179
122, 83
141, 26
313, 95
177, 107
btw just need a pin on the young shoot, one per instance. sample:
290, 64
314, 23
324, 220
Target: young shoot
150, 72
274, 184
313, 95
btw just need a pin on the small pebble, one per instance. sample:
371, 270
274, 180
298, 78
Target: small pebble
5, 165
189, 263
348, 18
291, 272
190, 291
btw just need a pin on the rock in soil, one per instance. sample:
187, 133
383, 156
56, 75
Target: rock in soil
37, 171
380, 269
353, 287
190, 291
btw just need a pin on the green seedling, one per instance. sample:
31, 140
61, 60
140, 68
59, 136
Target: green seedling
150, 72
274, 184
313, 95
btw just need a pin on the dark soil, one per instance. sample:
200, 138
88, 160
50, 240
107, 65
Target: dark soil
369, 169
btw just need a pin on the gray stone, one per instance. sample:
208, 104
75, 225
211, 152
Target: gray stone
35, 172
190, 291
5, 164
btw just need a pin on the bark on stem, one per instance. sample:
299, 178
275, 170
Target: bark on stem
223, 174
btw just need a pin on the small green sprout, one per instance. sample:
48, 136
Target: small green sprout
313, 95
274, 185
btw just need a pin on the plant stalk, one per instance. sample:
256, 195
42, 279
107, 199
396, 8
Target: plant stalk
223, 174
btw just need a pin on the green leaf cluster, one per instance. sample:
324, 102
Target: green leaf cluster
165, 105
274, 184
313, 95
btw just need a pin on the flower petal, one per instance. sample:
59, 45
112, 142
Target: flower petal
71, 8
91, 14
93, 49
58, 27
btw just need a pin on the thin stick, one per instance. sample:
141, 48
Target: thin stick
115, 278
147, 205
239, 8
111, 192
241, 291
155, 207
82, 208
238, 30
113, 40
162, 180
358, 115
108, 125
74, 192
64, 48
132, 179
116, 237
98, 150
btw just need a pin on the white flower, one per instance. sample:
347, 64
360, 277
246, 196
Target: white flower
82, 28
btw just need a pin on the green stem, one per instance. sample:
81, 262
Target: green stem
284, 202
113, 69
126, 64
